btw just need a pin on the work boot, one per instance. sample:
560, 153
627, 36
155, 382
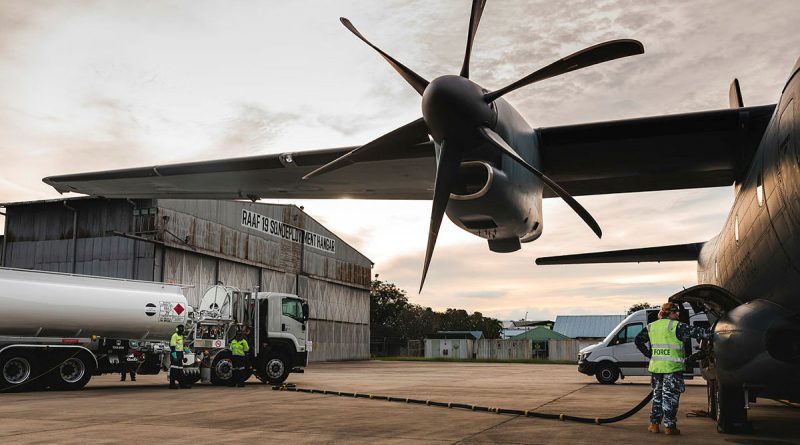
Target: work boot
672, 431
653, 428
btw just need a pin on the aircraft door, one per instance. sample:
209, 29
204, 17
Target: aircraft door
630, 360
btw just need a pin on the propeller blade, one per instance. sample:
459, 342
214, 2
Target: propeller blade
445, 177
401, 138
474, 20
413, 79
592, 55
501, 144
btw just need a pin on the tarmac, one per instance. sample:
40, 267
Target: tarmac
145, 411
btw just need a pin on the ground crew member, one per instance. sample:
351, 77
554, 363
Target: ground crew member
666, 337
239, 349
177, 348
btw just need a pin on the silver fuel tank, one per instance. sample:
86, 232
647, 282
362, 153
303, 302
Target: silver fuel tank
46, 304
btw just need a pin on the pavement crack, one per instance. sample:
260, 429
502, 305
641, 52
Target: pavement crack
560, 397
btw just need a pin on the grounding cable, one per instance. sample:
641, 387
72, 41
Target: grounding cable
465, 406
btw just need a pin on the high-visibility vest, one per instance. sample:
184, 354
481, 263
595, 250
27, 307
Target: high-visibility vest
177, 342
666, 348
239, 347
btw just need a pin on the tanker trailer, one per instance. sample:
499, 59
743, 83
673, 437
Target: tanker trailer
58, 330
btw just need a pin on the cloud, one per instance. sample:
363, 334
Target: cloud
90, 86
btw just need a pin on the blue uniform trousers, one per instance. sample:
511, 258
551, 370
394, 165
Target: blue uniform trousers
667, 389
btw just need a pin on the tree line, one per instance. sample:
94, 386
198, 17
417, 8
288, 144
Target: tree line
391, 315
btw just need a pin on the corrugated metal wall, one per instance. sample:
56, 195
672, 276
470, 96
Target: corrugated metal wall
566, 350
198, 243
505, 349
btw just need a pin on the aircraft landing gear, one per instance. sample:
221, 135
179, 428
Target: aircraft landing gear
730, 411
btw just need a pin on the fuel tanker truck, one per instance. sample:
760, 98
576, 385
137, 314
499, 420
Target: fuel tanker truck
58, 330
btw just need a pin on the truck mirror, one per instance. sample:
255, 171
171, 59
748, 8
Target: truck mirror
305, 311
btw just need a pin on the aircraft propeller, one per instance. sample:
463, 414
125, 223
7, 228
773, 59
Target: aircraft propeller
447, 95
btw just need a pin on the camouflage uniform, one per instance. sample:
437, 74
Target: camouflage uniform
667, 388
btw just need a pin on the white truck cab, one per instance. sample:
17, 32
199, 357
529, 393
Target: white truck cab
617, 356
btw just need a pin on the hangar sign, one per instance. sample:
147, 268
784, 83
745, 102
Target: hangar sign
280, 229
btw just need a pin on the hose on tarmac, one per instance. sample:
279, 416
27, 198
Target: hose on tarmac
488, 409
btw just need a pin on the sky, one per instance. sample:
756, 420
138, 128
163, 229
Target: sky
93, 85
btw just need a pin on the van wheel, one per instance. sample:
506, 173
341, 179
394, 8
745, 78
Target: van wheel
607, 373
72, 370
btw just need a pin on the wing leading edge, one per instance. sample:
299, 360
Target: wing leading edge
406, 173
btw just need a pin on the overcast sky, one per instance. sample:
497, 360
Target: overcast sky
88, 85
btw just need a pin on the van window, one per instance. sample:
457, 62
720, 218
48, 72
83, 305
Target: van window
628, 333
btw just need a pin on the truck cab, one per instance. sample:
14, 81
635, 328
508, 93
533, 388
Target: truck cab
275, 326
617, 356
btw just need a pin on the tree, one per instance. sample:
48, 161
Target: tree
391, 315
639, 307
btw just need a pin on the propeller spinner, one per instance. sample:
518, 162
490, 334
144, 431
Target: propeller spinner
454, 105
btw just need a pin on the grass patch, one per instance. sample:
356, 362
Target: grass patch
452, 360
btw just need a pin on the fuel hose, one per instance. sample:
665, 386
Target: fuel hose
479, 408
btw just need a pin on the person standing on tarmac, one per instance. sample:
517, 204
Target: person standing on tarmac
176, 347
666, 337
239, 349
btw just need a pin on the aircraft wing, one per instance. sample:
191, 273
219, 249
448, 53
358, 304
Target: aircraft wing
680, 151
705, 149
405, 172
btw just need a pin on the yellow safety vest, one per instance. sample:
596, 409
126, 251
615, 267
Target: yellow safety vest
239, 347
666, 348
177, 342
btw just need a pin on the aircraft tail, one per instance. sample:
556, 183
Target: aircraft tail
677, 252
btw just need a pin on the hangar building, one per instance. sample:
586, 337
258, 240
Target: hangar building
202, 242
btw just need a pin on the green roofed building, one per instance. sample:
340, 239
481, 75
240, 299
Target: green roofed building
540, 337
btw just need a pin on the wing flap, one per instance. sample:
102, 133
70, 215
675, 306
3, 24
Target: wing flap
705, 149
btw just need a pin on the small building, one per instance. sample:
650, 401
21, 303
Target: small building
582, 331
588, 327
540, 337
269, 247
457, 345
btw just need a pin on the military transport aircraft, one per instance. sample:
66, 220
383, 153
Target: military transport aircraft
481, 164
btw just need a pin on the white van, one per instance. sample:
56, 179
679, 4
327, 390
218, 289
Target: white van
616, 356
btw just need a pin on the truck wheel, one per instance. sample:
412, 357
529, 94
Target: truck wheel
607, 373
73, 370
192, 378
275, 369
222, 369
18, 369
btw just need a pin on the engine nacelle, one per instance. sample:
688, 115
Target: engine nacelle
759, 343
487, 203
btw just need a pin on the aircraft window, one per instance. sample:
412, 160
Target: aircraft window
760, 191
736, 228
